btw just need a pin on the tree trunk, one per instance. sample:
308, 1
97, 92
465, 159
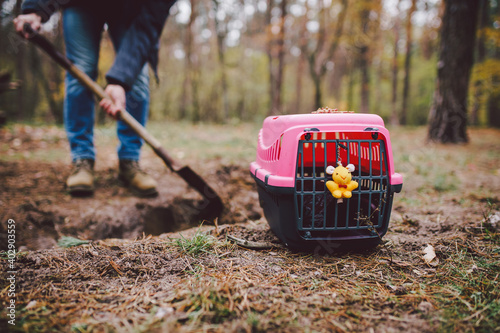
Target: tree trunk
350, 87
365, 80
378, 105
21, 73
44, 80
493, 106
298, 84
339, 71
276, 56
448, 114
370, 28
183, 109
319, 57
302, 42
221, 33
318, 98
406, 82
364, 61
395, 71
484, 21
494, 110
191, 79
281, 59
2, 47
269, 50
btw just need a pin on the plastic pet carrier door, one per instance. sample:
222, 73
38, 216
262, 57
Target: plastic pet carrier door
293, 156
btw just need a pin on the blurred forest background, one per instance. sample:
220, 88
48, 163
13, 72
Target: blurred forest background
227, 60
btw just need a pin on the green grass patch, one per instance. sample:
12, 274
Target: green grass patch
198, 244
68, 241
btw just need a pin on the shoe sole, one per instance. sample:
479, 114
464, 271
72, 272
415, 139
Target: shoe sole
81, 191
146, 193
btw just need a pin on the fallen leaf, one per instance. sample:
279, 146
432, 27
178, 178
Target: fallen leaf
31, 305
493, 220
472, 269
398, 290
164, 311
425, 307
430, 256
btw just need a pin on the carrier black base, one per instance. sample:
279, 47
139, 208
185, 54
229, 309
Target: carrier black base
280, 209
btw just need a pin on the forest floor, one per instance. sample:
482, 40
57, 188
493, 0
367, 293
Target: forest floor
150, 266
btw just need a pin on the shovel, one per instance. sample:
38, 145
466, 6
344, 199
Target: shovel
212, 205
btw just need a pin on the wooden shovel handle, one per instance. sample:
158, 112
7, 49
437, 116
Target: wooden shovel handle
124, 115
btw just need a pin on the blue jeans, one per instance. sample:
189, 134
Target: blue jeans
82, 35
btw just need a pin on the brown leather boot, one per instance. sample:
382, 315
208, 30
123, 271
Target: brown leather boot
137, 180
81, 180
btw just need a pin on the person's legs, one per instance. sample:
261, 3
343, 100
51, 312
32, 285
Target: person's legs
82, 33
137, 102
138, 106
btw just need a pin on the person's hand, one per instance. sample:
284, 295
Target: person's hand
116, 100
33, 19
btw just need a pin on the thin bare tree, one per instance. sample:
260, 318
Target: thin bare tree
322, 45
221, 34
276, 54
395, 69
406, 81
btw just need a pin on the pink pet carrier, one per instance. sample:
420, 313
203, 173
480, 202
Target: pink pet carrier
293, 154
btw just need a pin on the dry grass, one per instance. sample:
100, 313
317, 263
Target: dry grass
151, 284
202, 282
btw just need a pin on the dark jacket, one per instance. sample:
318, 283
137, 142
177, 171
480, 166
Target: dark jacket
140, 45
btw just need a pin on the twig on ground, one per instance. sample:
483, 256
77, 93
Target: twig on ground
251, 245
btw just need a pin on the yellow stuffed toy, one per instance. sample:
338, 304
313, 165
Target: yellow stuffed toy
342, 183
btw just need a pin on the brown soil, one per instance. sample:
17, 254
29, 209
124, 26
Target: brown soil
126, 280
33, 193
